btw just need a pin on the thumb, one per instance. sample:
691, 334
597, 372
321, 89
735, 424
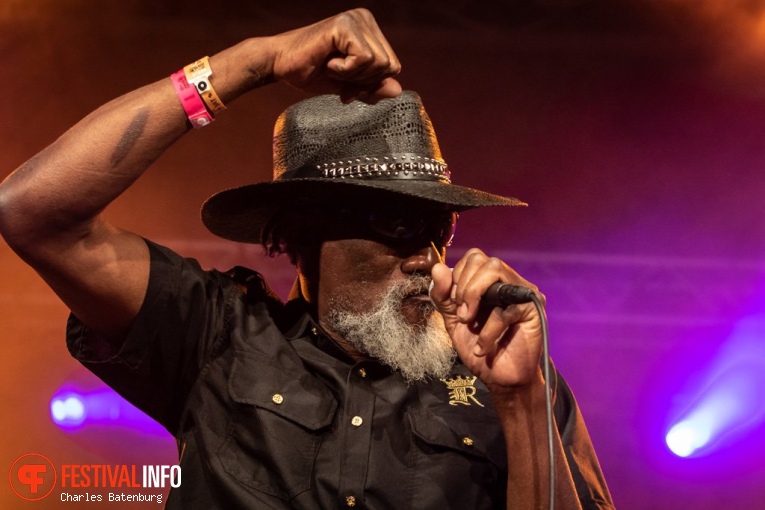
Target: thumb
441, 292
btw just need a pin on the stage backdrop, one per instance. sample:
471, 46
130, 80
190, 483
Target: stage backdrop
634, 129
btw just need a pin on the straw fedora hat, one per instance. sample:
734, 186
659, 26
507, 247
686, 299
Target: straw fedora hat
327, 152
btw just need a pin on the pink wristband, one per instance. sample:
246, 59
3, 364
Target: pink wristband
192, 104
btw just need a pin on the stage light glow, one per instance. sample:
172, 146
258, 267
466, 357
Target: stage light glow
731, 400
72, 409
686, 437
67, 410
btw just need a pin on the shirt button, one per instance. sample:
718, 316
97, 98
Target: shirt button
277, 398
350, 501
467, 441
356, 421
362, 372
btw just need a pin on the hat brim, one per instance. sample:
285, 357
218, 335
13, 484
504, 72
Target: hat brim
240, 214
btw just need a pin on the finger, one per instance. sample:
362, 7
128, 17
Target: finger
356, 72
367, 63
364, 71
388, 88
465, 271
464, 267
491, 271
394, 62
499, 324
364, 55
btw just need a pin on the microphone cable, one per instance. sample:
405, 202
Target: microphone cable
548, 394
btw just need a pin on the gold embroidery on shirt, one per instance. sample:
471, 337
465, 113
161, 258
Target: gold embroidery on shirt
461, 390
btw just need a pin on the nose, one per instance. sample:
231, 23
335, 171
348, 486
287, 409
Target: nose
421, 261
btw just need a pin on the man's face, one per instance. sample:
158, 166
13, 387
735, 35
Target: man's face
355, 274
364, 253
372, 283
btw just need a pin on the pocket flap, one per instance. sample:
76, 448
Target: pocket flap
474, 438
292, 393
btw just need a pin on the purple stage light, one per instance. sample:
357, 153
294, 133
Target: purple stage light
730, 401
67, 410
72, 409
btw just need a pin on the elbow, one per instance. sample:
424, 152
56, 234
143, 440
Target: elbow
6, 213
33, 229
11, 219
21, 225
37, 217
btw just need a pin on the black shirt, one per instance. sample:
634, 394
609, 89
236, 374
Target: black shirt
268, 413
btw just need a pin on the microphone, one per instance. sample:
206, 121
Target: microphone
502, 294
506, 294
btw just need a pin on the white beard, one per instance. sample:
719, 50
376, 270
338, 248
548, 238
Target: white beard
418, 351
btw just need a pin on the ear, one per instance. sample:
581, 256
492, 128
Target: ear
306, 258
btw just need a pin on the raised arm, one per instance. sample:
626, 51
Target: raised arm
50, 206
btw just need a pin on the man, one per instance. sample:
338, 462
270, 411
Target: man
382, 383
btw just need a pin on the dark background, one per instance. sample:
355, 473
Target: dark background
632, 128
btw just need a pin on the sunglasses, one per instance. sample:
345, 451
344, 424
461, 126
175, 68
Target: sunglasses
401, 226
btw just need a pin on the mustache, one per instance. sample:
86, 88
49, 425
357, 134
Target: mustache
413, 285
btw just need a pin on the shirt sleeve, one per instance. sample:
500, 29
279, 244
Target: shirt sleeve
180, 321
588, 478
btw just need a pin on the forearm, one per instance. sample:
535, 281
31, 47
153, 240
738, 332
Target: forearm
522, 413
59, 193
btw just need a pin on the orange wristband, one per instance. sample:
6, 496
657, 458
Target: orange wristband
198, 74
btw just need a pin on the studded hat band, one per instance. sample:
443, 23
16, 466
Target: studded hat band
395, 166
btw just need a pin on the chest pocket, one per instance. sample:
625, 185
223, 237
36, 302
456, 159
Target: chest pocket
465, 449
479, 439
277, 425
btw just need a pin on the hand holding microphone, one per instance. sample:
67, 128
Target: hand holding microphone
501, 344
486, 307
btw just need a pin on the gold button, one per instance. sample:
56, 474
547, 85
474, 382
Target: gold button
350, 501
467, 441
356, 421
362, 372
315, 331
277, 398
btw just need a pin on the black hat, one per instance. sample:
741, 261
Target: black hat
327, 152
